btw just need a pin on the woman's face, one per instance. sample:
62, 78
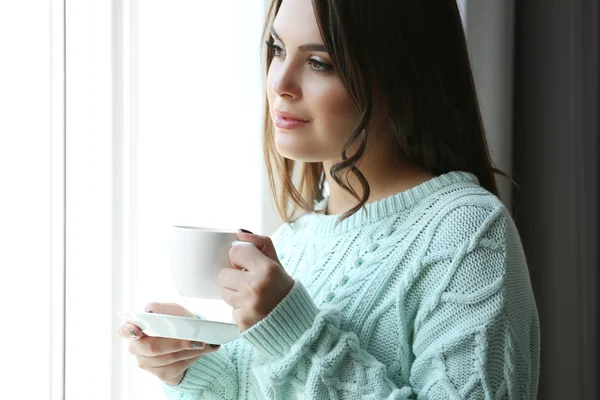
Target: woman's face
310, 108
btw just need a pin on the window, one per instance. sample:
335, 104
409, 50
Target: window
162, 126
170, 135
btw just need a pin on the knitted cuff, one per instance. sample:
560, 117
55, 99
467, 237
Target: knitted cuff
275, 334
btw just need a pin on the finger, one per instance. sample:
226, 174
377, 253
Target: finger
156, 346
169, 309
171, 374
247, 257
129, 331
263, 243
232, 279
231, 297
168, 359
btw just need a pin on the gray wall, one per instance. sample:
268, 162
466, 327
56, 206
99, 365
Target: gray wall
555, 158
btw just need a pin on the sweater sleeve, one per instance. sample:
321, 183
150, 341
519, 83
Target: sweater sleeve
473, 318
304, 348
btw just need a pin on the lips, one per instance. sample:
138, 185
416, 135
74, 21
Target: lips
288, 121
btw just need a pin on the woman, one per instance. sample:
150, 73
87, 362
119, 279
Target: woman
408, 279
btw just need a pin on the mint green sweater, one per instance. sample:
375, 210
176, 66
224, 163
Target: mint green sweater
425, 296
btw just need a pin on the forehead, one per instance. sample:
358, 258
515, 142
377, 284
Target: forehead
295, 22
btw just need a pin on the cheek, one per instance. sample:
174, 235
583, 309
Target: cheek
337, 115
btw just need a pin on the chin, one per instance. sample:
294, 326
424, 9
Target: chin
298, 156
298, 153
303, 148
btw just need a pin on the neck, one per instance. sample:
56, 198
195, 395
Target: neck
384, 178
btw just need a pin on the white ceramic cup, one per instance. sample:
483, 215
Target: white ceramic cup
196, 256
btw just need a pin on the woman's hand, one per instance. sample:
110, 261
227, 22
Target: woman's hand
168, 359
255, 292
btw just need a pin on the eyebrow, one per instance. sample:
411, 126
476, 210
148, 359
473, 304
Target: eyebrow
304, 47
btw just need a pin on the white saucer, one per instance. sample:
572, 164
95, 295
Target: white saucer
169, 326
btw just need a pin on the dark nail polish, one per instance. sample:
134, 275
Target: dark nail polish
215, 346
150, 311
246, 231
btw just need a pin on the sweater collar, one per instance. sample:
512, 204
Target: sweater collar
324, 225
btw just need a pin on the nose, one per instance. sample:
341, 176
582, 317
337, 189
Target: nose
285, 80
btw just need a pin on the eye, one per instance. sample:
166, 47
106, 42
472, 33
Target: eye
319, 66
277, 50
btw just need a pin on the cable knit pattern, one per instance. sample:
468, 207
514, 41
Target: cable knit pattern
426, 295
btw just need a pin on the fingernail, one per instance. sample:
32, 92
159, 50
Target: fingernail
196, 345
132, 333
246, 231
150, 311
215, 346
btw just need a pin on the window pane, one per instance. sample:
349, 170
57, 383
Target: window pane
196, 100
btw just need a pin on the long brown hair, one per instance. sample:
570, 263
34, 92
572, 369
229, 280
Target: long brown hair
415, 54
